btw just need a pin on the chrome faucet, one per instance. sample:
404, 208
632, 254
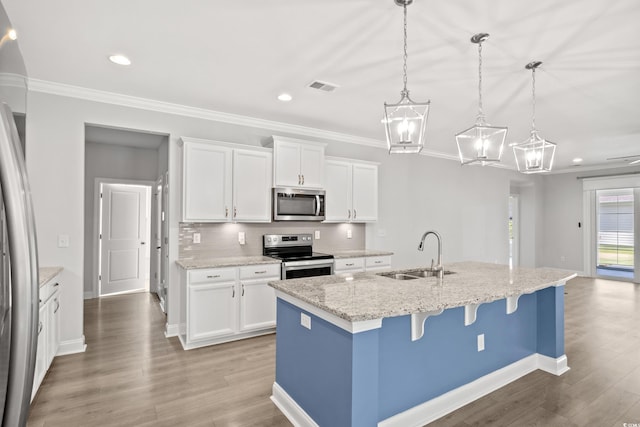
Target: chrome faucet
439, 268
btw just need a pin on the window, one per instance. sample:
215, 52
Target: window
615, 232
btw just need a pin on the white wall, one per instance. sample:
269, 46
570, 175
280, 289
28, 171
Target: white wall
467, 205
110, 161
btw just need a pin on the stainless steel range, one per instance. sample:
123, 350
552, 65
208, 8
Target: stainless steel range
297, 256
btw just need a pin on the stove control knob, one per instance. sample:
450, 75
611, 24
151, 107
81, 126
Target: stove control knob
268, 239
275, 239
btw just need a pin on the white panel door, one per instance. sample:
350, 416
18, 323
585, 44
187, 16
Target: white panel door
365, 193
207, 182
312, 166
338, 191
252, 186
258, 305
212, 310
286, 164
122, 245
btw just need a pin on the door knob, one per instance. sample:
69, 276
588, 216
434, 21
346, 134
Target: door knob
142, 243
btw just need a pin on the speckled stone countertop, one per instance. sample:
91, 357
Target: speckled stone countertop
191, 264
365, 296
47, 273
359, 253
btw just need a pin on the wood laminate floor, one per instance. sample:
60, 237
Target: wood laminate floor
131, 375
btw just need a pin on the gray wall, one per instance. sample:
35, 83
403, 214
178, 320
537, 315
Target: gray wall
116, 162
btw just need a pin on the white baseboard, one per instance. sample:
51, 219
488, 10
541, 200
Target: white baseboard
290, 409
171, 330
442, 405
89, 295
553, 366
72, 347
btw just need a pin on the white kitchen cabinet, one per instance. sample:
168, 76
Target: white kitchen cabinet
351, 191
348, 265
48, 331
377, 263
227, 304
222, 182
252, 185
297, 163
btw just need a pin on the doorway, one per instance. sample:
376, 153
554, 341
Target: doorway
124, 237
514, 227
615, 242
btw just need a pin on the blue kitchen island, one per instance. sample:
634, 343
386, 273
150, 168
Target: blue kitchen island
368, 350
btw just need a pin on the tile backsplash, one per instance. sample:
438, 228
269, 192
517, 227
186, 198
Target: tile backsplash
221, 240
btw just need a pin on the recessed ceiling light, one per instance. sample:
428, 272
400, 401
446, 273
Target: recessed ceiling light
120, 60
285, 97
12, 34
577, 160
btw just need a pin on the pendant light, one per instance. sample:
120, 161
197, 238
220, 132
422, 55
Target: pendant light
536, 154
481, 143
405, 121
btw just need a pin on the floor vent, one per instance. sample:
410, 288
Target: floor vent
324, 86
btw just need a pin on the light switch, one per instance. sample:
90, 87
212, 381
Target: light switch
481, 342
63, 240
196, 238
349, 234
317, 235
241, 237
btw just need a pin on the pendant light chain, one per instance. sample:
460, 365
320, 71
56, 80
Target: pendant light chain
404, 69
533, 90
480, 110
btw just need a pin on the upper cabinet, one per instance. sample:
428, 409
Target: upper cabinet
223, 182
297, 163
351, 191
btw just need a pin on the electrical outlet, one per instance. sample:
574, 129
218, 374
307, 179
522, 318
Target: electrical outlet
349, 233
196, 238
317, 235
63, 240
305, 320
481, 342
241, 238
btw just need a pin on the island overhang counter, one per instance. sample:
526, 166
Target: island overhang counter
369, 350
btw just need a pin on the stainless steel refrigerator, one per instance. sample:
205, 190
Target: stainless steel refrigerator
19, 274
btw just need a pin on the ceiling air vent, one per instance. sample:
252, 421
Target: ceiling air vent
323, 86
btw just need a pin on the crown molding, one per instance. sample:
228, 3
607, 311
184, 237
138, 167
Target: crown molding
13, 80
62, 89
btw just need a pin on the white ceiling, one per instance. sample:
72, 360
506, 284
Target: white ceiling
236, 57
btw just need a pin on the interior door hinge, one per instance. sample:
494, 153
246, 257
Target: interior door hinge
101, 195
99, 276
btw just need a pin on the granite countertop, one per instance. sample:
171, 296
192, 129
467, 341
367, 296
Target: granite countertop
47, 273
192, 264
365, 296
359, 253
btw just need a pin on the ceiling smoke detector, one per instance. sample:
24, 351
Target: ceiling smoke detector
323, 86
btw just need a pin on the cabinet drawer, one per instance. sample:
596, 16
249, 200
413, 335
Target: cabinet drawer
258, 271
212, 275
47, 290
349, 264
378, 261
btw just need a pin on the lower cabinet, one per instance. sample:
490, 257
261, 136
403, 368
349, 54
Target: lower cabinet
48, 332
227, 304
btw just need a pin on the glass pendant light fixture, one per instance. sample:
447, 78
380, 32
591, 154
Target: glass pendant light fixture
481, 143
405, 121
536, 154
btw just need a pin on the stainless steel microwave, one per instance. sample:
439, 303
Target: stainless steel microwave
296, 204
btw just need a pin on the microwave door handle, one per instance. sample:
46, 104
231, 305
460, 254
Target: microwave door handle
317, 205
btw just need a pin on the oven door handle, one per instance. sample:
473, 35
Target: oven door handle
306, 266
317, 205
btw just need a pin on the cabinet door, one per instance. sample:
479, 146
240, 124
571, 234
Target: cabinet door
53, 326
338, 191
365, 193
41, 351
348, 265
258, 304
206, 182
312, 166
212, 310
286, 164
252, 186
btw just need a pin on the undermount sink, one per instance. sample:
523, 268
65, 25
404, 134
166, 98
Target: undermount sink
415, 273
398, 276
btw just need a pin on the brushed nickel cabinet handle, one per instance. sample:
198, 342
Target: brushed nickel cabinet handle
39, 327
57, 306
260, 272
354, 214
213, 276
349, 215
235, 211
243, 289
302, 179
233, 294
226, 212
349, 264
